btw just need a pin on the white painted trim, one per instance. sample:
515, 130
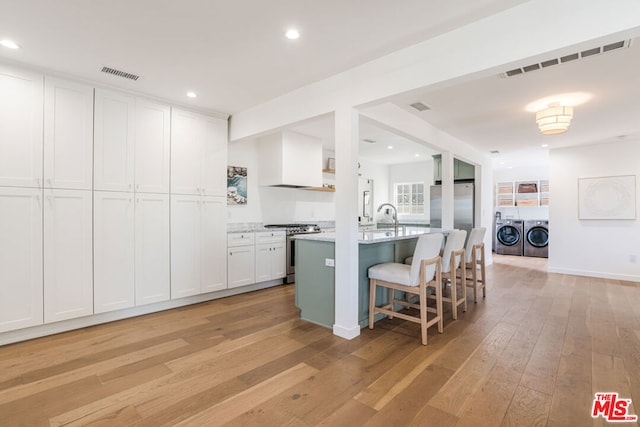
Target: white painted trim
597, 274
96, 319
346, 333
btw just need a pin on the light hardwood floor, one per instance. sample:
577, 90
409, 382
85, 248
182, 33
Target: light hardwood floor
532, 353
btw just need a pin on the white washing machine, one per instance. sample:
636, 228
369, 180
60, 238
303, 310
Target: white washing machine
536, 238
509, 236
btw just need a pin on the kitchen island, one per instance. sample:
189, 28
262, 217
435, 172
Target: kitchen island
315, 258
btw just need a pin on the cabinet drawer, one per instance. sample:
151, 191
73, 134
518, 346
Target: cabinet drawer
240, 239
270, 237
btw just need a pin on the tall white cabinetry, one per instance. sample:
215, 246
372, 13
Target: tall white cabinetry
85, 201
20, 258
68, 210
198, 204
21, 109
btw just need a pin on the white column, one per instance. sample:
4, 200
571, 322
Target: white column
447, 190
346, 246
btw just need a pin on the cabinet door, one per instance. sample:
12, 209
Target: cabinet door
185, 246
20, 258
214, 244
114, 132
278, 261
263, 262
214, 165
68, 258
68, 135
437, 167
153, 121
188, 135
241, 266
20, 128
152, 248
113, 251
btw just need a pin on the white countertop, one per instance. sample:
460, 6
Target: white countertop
376, 236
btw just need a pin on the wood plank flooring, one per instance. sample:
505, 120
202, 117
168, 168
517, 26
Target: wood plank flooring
533, 353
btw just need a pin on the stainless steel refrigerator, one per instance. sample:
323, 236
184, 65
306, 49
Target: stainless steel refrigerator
463, 206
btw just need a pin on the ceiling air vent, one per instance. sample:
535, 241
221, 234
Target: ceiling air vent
370, 141
494, 152
120, 73
420, 106
566, 58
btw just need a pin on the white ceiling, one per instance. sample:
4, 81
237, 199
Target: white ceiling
234, 55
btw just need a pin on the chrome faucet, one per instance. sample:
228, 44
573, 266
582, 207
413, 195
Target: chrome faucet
395, 214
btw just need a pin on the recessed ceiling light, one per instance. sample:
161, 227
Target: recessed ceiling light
544, 145
390, 147
9, 44
191, 94
417, 155
292, 34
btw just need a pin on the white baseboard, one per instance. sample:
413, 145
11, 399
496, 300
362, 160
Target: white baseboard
598, 274
96, 319
348, 333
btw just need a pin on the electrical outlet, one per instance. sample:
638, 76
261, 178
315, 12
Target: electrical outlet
329, 262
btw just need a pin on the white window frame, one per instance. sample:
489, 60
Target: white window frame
411, 207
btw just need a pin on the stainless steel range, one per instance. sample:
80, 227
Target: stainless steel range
292, 230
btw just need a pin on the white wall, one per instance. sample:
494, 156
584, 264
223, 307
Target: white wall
598, 248
413, 172
270, 204
379, 173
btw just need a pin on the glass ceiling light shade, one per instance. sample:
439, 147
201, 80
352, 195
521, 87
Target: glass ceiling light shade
554, 119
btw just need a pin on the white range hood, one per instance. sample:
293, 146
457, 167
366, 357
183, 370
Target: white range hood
290, 159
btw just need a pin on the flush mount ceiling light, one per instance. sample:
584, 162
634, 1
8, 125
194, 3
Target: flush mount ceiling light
192, 94
390, 147
292, 34
9, 44
554, 119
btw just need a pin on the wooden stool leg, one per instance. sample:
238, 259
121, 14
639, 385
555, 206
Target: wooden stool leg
454, 291
423, 312
372, 301
463, 276
483, 273
438, 288
391, 295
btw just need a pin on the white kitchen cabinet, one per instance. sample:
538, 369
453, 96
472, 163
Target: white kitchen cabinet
270, 255
20, 258
214, 254
198, 154
152, 147
152, 272
68, 255
21, 109
197, 242
114, 134
114, 275
241, 266
68, 135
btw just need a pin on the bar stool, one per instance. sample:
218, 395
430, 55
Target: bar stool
475, 258
453, 267
413, 279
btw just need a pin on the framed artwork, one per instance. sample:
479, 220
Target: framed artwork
236, 185
608, 197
